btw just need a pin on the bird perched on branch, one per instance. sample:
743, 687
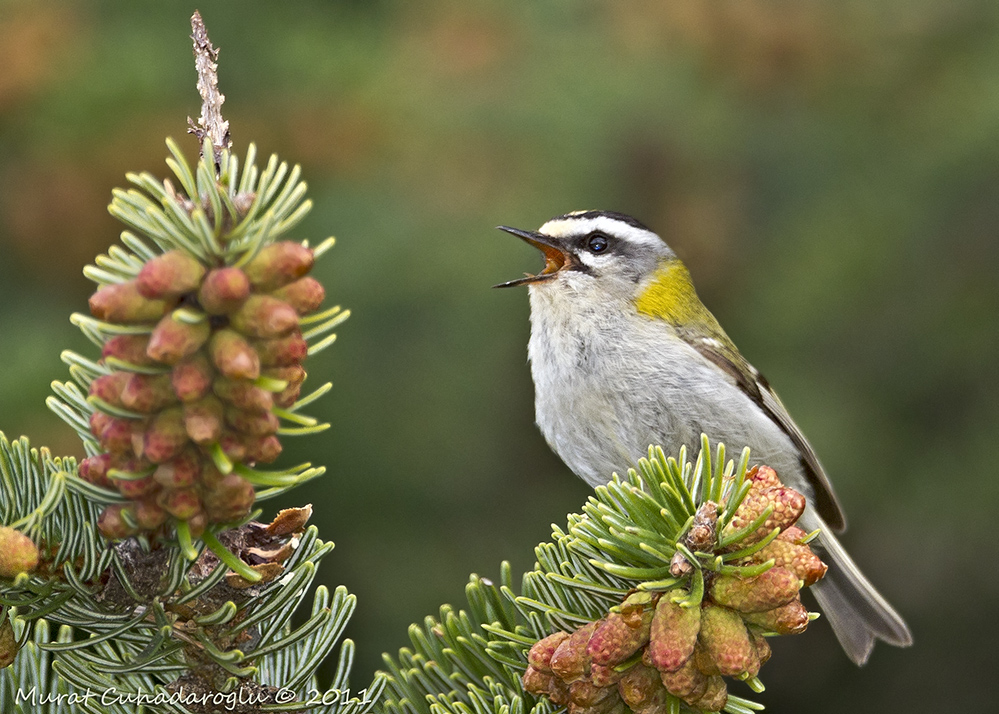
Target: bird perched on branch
624, 355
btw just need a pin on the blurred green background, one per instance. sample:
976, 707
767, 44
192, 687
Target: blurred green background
828, 170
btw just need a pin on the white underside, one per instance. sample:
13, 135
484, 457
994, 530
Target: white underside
609, 382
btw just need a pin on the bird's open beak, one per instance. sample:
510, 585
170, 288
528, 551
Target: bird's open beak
555, 258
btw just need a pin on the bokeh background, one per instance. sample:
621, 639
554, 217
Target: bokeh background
829, 171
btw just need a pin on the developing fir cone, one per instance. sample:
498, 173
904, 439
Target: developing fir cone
661, 645
18, 553
192, 386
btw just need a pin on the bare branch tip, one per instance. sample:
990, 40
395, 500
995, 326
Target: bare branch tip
210, 124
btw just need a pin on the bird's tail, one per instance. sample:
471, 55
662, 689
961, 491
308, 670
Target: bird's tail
859, 615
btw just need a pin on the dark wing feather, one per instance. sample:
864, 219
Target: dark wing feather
756, 387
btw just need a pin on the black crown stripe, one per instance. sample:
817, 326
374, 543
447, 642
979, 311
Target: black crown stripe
624, 218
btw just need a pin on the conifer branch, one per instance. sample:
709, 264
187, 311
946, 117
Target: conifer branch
582, 631
197, 319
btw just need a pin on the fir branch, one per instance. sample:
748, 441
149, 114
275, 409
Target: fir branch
627, 540
142, 641
157, 613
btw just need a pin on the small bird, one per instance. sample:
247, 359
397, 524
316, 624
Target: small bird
624, 355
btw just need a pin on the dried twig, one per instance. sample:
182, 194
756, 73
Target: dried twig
210, 123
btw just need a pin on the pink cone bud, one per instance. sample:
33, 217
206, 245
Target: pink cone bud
788, 506
642, 689
130, 463
108, 387
122, 302
264, 316
134, 488
799, 559
192, 378
770, 589
179, 472
584, 693
570, 660
147, 393
111, 524
558, 691
223, 291
263, 450
180, 503
686, 682
792, 534
282, 351
233, 356
715, 696
230, 499
279, 264
233, 446
540, 654
203, 420
243, 394
305, 294
253, 423
674, 633
615, 640
210, 475
761, 478
170, 275
726, 641
165, 436
173, 340
148, 514
128, 348
789, 619
702, 660
98, 421
94, 469
604, 676
116, 436
18, 553
536, 682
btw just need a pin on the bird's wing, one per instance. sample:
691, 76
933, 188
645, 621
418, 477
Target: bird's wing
720, 351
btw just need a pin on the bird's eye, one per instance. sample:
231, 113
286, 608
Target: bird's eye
597, 243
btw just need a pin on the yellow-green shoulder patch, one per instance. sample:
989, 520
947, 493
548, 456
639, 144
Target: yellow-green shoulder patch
671, 296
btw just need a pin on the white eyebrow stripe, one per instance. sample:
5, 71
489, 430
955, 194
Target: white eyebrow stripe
562, 227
